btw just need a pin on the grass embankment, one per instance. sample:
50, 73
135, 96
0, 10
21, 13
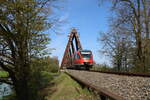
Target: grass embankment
66, 88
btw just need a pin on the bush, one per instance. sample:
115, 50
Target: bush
41, 76
10, 97
51, 64
102, 67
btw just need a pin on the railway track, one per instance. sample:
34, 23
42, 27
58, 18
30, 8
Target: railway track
113, 85
103, 93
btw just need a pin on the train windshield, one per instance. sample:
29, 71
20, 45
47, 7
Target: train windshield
86, 54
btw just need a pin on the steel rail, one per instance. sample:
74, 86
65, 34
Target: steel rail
122, 73
104, 93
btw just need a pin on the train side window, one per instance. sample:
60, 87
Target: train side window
78, 57
75, 56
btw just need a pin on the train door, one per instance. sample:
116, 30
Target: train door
77, 59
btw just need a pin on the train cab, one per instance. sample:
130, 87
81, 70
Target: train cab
83, 59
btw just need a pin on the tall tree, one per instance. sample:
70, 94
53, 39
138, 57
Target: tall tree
22, 23
118, 47
133, 16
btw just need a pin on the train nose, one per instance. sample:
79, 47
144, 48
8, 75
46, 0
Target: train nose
86, 63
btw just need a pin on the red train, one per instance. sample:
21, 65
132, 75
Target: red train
83, 59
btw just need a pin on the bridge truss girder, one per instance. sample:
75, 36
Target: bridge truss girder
71, 49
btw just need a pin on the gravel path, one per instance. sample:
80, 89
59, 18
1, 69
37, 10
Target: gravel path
129, 87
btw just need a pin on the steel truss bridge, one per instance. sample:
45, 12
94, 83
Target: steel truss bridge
73, 45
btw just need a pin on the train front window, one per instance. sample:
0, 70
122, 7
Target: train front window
86, 54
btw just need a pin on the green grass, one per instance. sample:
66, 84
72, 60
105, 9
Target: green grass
68, 89
3, 74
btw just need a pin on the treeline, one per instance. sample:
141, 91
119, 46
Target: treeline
127, 42
102, 67
48, 64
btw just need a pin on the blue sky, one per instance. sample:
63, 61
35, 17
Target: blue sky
89, 19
